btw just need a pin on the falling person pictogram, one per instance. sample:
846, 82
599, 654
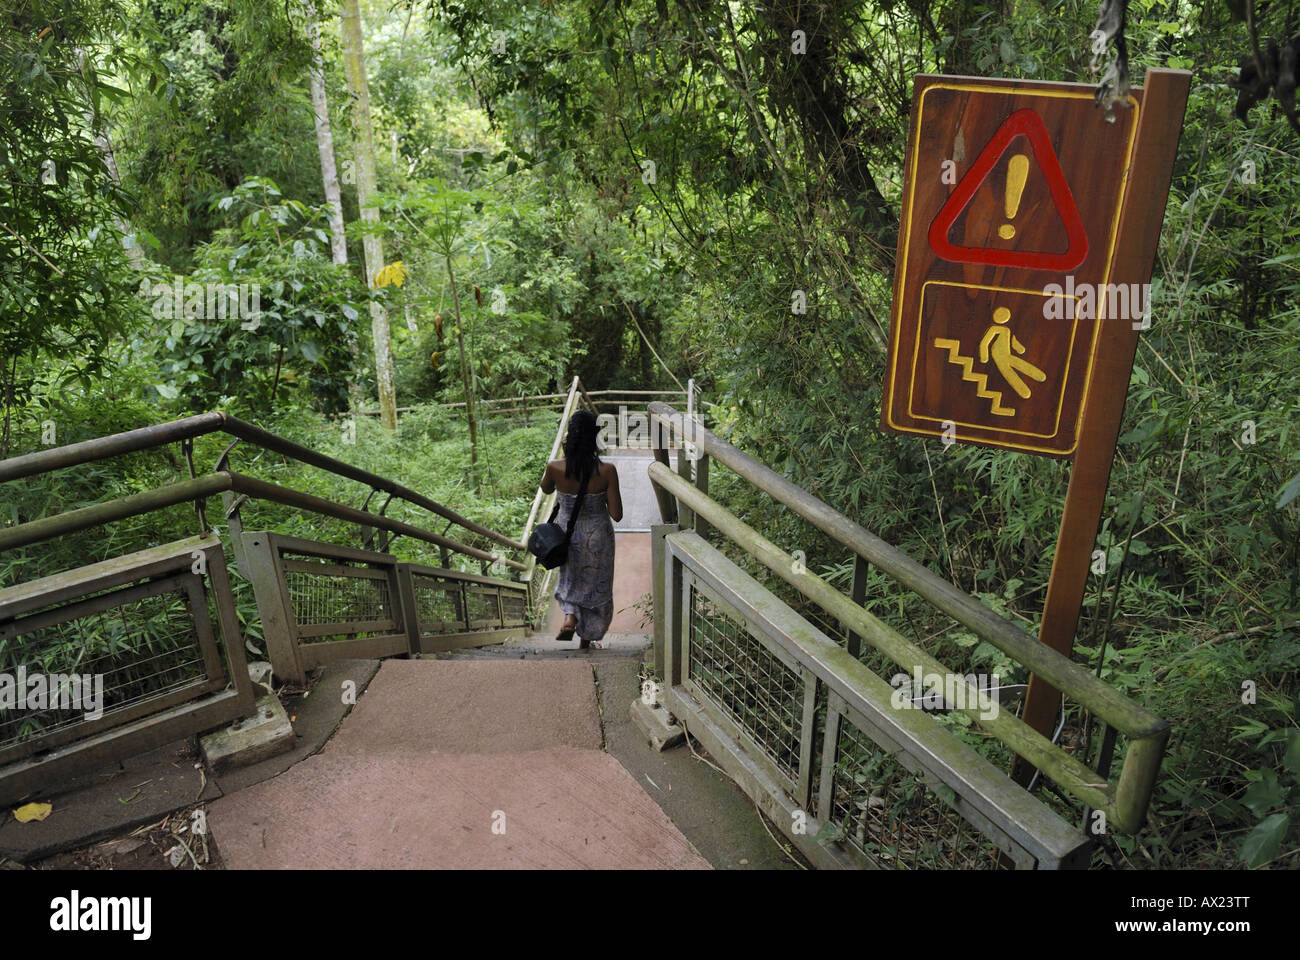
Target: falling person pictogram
999, 342
1002, 346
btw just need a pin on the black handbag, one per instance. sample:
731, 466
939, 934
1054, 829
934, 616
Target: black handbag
548, 543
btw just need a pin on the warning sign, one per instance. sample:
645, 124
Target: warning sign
1012, 194
1026, 124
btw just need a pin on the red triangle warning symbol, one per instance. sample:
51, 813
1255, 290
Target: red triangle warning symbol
1029, 124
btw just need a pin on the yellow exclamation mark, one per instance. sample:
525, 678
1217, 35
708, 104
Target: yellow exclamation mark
1017, 174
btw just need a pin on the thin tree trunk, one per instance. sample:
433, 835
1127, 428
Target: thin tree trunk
354, 60
329, 172
135, 252
275, 384
325, 139
466, 377
10, 375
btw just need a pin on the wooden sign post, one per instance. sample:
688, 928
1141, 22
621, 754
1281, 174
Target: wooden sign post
1029, 229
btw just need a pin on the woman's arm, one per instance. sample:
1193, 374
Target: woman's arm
615, 498
548, 481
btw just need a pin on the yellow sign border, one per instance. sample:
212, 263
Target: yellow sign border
906, 227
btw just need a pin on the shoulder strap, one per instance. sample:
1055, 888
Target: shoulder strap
577, 506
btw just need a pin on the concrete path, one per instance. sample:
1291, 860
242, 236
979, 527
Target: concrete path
640, 508
457, 764
497, 759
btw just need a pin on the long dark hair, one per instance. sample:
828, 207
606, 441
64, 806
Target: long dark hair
580, 454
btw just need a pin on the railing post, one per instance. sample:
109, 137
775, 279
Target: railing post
674, 607
406, 604
859, 594
230, 504
466, 619
807, 731
660, 438
274, 607
657, 552
685, 515
702, 484
830, 747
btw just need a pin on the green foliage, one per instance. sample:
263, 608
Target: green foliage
295, 319
1273, 794
219, 97
61, 252
609, 182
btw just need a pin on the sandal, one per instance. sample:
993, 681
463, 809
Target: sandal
566, 634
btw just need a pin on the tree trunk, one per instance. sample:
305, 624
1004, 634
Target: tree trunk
325, 139
354, 60
329, 173
466, 377
135, 251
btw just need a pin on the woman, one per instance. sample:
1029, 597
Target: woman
586, 590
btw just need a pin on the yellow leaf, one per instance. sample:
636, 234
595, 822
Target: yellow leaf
32, 811
395, 274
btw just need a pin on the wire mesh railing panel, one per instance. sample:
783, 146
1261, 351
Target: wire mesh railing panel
439, 605
750, 685
513, 607
138, 650
482, 605
890, 815
320, 598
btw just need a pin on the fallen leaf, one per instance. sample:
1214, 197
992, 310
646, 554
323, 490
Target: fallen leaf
32, 811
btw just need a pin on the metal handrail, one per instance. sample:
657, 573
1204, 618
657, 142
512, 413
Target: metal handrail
156, 435
489, 402
1125, 804
72, 521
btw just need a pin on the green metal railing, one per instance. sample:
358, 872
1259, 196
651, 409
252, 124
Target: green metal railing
1124, 802
159, 625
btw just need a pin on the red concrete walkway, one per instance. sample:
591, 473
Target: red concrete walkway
457, 764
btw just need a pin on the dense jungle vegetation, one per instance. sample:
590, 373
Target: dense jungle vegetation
631, 191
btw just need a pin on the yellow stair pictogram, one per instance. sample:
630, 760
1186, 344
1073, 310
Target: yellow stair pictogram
980, 380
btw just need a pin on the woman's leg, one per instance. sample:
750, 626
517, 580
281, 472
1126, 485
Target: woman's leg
567, 628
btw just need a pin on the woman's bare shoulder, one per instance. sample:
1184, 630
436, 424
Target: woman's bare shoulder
608, 469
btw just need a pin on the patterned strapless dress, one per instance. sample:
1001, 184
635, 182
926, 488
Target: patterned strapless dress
586, 587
